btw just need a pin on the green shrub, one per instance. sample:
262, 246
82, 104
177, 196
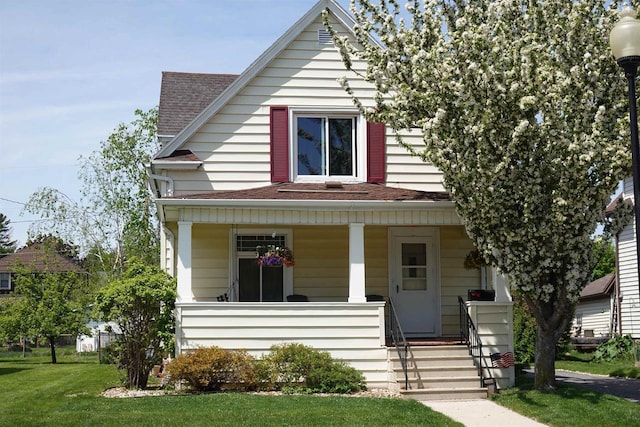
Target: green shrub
336, 378
524, 332
213, 368
303, 369
618, 347
290, 364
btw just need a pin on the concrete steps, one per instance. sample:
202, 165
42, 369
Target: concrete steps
443, 372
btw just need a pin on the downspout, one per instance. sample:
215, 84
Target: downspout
164, 178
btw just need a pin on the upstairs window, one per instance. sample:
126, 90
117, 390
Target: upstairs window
317, 146
325, 146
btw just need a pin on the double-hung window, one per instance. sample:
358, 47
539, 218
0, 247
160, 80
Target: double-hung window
326, 146
5, 281
311, 145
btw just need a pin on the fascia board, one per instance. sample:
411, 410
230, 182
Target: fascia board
307, 204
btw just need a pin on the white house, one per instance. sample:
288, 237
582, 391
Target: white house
594, 314
279, 156
629, 287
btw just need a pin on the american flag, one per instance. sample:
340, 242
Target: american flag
503, 360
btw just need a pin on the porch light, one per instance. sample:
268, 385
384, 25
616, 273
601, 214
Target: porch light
625, 45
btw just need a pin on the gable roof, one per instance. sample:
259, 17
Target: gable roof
38, 258
599, 288
258, 65
184, 95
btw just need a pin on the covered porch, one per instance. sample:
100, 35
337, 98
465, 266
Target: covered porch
410, 251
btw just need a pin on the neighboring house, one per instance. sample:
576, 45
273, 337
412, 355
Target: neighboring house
628, 285
595, 309
36, 258
279, 156
101, 335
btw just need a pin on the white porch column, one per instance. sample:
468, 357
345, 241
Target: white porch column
356, 263
184, 261
500, 285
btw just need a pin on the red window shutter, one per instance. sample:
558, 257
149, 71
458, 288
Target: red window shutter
279, 129
376, 162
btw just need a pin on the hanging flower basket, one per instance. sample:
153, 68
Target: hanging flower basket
275, 256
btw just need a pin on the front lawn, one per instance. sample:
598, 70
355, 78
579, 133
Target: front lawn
35, 392
582, 362
569, 406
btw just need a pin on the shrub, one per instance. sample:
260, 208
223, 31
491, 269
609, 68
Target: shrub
213, 368
336, 378
524, 331
618, 347
299, 368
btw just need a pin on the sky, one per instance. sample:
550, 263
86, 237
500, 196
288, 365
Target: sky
72, 70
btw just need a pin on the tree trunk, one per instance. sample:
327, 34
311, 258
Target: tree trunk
552, 318
545, 363
52, 346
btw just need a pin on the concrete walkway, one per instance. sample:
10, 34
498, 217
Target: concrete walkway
480, 413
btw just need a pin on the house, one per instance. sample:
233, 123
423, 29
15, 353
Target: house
593, 321
627, 299
278, 156
35, 257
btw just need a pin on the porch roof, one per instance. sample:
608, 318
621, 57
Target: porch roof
322, 192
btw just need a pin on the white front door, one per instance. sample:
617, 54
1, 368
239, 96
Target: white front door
415, 279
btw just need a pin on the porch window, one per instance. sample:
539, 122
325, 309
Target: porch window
257, 283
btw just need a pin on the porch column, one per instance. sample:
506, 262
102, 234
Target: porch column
356, 263
500, 285
184, 261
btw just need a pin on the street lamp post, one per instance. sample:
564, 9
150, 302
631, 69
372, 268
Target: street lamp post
625, 45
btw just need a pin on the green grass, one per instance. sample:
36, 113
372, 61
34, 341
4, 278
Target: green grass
581, 362
35, 392
569, 406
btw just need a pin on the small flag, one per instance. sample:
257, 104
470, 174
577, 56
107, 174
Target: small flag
502, 360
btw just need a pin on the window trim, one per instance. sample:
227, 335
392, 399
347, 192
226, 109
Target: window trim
2, 288
359, 146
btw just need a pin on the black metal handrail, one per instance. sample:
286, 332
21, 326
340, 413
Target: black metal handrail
469, 334
399, 341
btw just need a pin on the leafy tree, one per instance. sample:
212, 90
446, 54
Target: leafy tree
524, 111
604, 256
54, 244
49, 302
141, 304
116, 217
7, 245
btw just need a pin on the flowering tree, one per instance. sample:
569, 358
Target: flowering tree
522, 108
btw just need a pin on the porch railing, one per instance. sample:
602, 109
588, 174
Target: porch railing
469, 334
399, 341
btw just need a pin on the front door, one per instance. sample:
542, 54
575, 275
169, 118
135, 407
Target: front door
414, 280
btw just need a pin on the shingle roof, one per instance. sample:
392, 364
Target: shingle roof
185, 95
601, 287
39, 259
321, 191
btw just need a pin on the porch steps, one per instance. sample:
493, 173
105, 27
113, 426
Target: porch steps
438, 372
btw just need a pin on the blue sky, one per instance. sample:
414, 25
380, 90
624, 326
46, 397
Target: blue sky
71, 70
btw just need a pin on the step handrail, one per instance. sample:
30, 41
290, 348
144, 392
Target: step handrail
469, 334
399, 341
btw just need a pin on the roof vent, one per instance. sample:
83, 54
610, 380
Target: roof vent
324, 37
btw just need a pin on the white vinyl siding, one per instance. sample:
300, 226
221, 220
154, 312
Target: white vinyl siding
234, 144
596, 316
350, 332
